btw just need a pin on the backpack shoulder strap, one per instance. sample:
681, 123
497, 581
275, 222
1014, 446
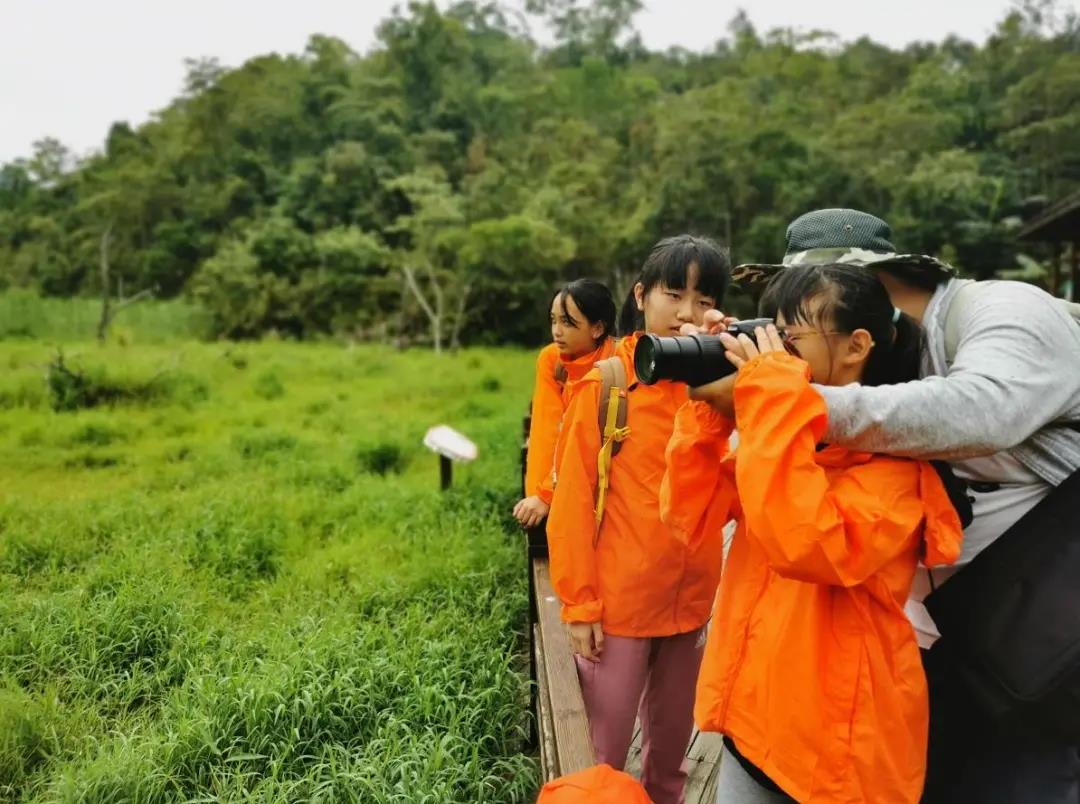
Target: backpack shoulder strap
957, 306
611, 418
612, 378
560, 373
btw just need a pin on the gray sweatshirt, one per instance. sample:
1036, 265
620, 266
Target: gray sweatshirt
995, 414
1013, 386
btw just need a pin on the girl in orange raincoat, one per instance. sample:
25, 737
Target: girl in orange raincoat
635, 597
582, 332
811, 668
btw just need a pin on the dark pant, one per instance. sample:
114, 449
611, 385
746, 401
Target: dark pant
973, 759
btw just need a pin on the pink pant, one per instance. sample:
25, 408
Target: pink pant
653, 679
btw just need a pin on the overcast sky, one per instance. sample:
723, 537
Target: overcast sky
70, 68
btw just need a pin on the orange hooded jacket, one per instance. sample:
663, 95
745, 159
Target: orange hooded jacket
636, 576
600, 784
811, 666
550, 398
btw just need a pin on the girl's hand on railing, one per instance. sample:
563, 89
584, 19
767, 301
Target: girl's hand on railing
531, 511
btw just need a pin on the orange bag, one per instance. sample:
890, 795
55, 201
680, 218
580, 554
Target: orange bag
600, 784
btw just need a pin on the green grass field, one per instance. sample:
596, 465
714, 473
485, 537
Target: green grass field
26, 316
236, 580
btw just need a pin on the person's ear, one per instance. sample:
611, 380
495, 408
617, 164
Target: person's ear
639, 296
859, 344
597, 331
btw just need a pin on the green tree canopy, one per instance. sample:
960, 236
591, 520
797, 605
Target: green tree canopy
460, 171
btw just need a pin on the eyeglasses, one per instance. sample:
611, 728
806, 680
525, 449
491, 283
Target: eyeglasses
790, 339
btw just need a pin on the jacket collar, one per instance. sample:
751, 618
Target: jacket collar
578, 367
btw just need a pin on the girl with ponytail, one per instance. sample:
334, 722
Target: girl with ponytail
635, 597
824, 307
811, 670
582, 315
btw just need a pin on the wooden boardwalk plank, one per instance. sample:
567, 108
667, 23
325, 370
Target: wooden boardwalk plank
703, 760
573, 745
548, 763
565, 744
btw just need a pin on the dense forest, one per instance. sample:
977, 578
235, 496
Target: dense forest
439, 186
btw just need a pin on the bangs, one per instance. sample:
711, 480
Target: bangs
671, 261
791, 293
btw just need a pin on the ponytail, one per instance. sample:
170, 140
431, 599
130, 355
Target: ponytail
898, 361
595, 302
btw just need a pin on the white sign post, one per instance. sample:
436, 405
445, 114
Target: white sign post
449, 445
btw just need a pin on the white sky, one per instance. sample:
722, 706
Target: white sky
70, 68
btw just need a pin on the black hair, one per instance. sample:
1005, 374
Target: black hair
854, 298
595, 301
668, 264
923, 277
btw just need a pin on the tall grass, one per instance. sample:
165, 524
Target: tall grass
256, 592
27, 316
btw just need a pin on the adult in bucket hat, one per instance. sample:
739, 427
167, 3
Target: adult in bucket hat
844, 236
1000, 383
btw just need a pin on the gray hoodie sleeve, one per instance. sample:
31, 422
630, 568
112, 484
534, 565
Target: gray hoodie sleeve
1016, 370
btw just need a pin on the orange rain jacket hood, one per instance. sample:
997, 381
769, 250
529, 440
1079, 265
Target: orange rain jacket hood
600, 784
550, 398
811, 665
635, 576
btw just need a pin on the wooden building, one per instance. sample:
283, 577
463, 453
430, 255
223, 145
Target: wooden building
1059, 225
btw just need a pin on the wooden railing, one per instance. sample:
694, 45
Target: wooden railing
562, 728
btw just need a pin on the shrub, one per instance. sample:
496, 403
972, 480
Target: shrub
383, 458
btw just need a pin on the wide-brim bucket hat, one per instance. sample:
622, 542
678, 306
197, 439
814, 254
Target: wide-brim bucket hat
840, 236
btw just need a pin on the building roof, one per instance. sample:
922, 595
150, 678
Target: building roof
1059, 222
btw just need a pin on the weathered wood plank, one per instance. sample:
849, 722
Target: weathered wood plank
705, 747
703, 758
708, 789
694, 735
633, 757
565, 745
573, 745
548, 762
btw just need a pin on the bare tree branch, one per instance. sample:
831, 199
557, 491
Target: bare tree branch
410, 278
436, 289
146, 293
435, 314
